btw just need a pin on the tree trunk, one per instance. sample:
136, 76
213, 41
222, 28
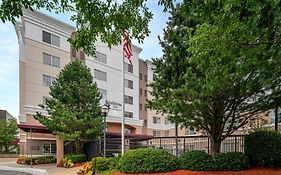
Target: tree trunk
215, 146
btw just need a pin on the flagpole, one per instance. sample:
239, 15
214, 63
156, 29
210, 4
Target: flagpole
123, 106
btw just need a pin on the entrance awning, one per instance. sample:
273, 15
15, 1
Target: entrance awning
34, 128
137, 136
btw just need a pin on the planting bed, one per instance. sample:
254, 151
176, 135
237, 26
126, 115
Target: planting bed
255, 171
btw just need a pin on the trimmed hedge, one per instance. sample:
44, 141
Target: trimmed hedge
40, 160
232, 161
101, 163
147, 160
264, 148
114, 161
75, 158
196, 160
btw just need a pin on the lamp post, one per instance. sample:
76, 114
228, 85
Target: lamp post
104, 110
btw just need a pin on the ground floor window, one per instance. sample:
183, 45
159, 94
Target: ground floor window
49, 148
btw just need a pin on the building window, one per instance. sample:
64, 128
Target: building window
100, 75
145, 108
49, 148
51, 60
100, 57
128, 67
154, 77
145, 93
129, 84
128, 114
128, 99
166, 133
48, 80
140, 76
167, 121
156, 133
140, 91
145, 78
103, 93
50, 38
140, 106
189, 131
156, 120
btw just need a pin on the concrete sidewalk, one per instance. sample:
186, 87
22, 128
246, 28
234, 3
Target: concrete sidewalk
51, 169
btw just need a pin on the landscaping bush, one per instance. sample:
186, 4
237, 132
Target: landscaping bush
197, 161
147, 161
21, 160
264, 148
101, 163
114, 161
40, 160
75, 158
87, 169
232, 161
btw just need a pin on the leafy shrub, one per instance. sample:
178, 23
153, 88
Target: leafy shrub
264, 148
75, 158
101, 163
232, 161
66, 163
87, 169
21, 160
196, 160
40, 160
114, 161
147, 160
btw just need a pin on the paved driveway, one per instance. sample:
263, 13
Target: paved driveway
6, 172
51, 169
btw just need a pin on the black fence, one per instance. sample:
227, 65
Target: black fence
234, 143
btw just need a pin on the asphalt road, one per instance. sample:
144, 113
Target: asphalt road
5, 172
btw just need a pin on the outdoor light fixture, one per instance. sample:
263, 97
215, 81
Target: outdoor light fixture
104, 110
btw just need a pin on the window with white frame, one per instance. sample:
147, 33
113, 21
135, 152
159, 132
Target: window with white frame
166, 133
189, 130
156, 133
49, 148
128, 114
50, 38
100, 75
156, 120
100, 57
128, 99
48, 80
103, 93
51, 60
129, 84
128, 67
167, 121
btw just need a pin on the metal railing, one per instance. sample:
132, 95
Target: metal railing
233, 143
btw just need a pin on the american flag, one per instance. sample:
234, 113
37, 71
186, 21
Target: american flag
127, 48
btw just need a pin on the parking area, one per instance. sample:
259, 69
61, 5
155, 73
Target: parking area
9, 164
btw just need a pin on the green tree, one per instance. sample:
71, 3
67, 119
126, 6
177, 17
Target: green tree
107, 19
9, 132
221, 65
74, 106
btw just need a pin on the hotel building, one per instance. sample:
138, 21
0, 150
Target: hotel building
44, 51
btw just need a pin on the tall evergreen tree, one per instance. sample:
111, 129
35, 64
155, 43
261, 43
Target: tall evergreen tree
74, 108
221, 65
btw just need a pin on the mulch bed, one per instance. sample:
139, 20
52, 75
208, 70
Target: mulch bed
79, 164
255, 171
